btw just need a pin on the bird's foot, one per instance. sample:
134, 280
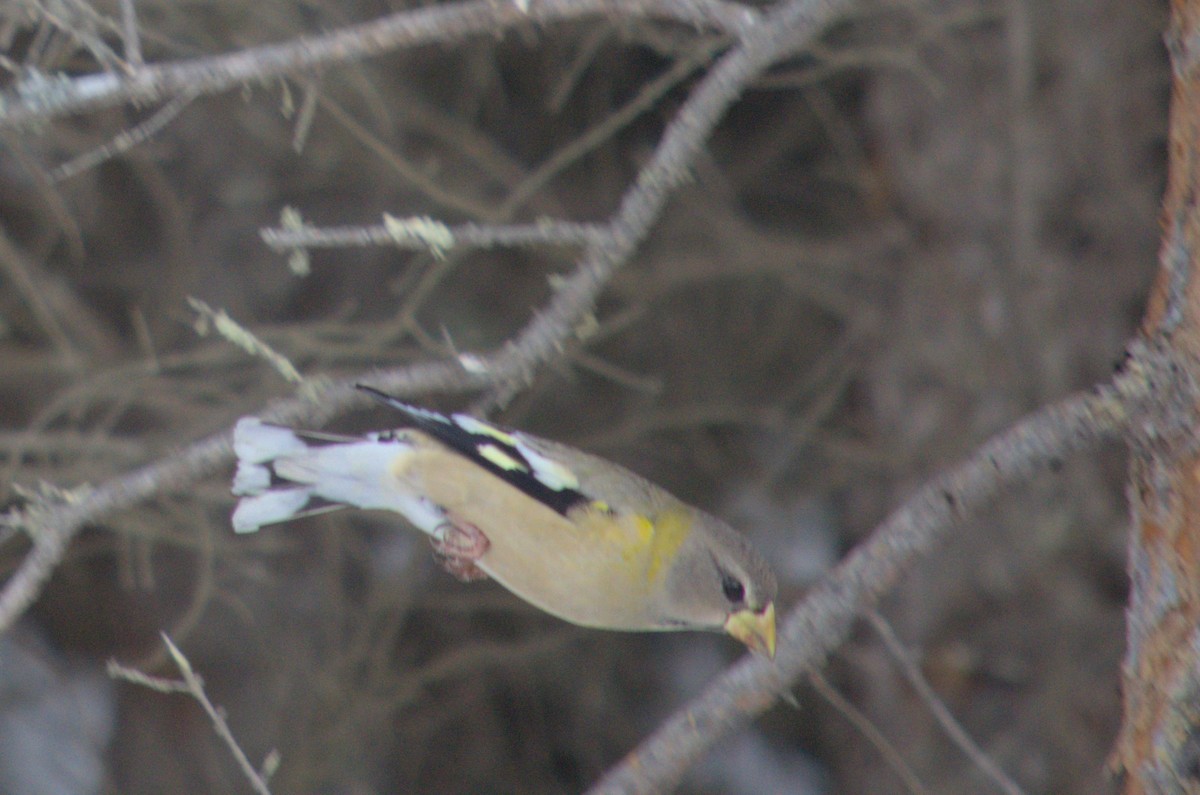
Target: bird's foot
456, 547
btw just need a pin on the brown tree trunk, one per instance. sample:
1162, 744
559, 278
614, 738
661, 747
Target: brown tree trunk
1159, 747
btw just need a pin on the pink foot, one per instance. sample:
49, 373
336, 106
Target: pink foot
457, 546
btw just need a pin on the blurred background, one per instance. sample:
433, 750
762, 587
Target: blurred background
939, 219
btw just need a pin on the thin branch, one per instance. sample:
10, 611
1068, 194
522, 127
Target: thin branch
408, 171
125, 140
20, 271
619, 118
51, 97
469, 235
130, 36
868, 730
193, 685
820, 623
941, 713
133, 676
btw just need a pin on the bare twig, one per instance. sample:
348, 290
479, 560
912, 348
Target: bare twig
233, 331
72, 325
868, 730
193, 685
124, 140
130, 36
133, 676
50, 98
21, 272
605, 130
409, 172
554, 233
936, 706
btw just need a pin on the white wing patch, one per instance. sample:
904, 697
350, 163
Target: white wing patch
500, 458
554, 474
472, 425
551, 473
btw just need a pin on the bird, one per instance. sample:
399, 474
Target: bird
573, 534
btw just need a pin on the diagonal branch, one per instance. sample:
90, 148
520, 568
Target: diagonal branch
45, 97
820, 623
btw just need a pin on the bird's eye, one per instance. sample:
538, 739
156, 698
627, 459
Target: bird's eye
734, 590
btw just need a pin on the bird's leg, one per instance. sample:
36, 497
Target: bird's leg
456, 547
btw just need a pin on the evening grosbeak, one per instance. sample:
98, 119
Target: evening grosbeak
577, 536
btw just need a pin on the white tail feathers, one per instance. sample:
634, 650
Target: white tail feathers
277, 505
256, 445
280, 475
255, 442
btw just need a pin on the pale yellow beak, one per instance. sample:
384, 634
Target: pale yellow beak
756, 630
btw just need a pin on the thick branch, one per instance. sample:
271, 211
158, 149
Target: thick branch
1158, 747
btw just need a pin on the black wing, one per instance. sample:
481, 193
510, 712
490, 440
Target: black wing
487, 446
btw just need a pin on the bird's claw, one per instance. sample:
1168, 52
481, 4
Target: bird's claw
456, 547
